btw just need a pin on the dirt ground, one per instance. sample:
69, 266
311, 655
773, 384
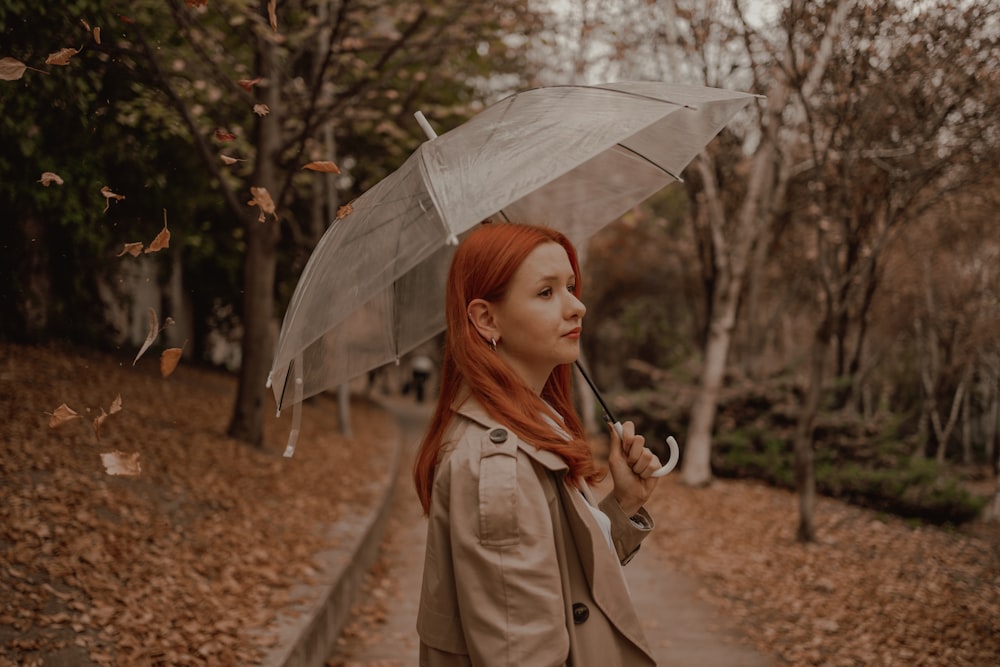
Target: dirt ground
189, 562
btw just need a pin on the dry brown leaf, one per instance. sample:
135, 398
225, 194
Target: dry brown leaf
62, 414
120, 463
344, 211
324, 166
154, 331
116, 405
272, 14
97, 34
222, 134
98, 420
169, 359
162, 239
86, 26
11, 69
262, 198
261, 109
134, 249
230, 160
49, 177
108, 196
195, 3
62, 56
248, 84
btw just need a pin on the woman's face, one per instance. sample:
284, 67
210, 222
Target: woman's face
539, 317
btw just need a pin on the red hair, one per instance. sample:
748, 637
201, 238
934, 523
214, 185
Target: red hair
482, 268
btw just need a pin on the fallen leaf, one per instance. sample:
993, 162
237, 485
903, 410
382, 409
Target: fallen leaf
261, 110
108, 196
49, 177
11, 69
222, 134
248, 84
324, 166
62, 414
230, 160
154, 331
344, 211
120, 463
169, 359
134, 249
162, 239
262, 198
61, 57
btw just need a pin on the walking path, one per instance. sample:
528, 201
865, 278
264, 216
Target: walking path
682, 629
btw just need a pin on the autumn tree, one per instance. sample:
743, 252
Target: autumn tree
253, 87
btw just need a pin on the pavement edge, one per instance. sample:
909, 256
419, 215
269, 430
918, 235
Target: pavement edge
315, 631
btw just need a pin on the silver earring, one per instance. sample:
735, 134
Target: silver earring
493, 344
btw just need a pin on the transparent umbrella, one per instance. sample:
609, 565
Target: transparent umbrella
571, 157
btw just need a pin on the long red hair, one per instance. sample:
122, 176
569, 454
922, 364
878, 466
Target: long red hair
482, 268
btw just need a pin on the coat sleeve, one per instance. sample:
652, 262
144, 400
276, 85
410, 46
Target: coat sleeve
506, 566
627, 533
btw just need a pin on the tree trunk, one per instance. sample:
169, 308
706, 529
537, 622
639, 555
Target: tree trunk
805, 476
260, 264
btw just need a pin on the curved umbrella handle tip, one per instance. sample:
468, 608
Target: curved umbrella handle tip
675, 454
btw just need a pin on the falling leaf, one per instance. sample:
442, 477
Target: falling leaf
262, 198
169, 359
98, 420
154, 331
49, 177
126, 19
230, 160
195, 3
97, 34
344, 211
248, 84
324, 166
11, 69
272, 14
222, 134
109, 195
134, 249
61, 57
86, 26
116, 405
261, 109
120, 463
162, 239
62, 414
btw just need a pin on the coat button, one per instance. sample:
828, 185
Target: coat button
580, 613
498, 436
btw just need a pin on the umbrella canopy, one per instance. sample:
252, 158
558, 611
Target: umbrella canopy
571, 157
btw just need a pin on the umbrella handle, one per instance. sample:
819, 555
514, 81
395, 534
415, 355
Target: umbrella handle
675, 453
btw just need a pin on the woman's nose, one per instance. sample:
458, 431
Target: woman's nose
576, 307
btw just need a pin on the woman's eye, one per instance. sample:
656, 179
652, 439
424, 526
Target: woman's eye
571, 289
546, 292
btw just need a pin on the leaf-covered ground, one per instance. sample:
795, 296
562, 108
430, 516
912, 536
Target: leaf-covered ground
190, 561
873, 590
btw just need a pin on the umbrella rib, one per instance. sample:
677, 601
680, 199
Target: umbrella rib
658, 166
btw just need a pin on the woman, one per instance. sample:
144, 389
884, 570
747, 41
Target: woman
523, 565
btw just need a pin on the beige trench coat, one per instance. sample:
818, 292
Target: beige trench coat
517, 570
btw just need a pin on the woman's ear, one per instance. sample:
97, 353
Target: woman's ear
481, 315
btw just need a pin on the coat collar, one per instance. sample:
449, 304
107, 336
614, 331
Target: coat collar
470, 408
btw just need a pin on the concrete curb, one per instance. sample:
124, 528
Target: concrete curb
309, 630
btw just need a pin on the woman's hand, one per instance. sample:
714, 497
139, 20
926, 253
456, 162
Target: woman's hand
631, 465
